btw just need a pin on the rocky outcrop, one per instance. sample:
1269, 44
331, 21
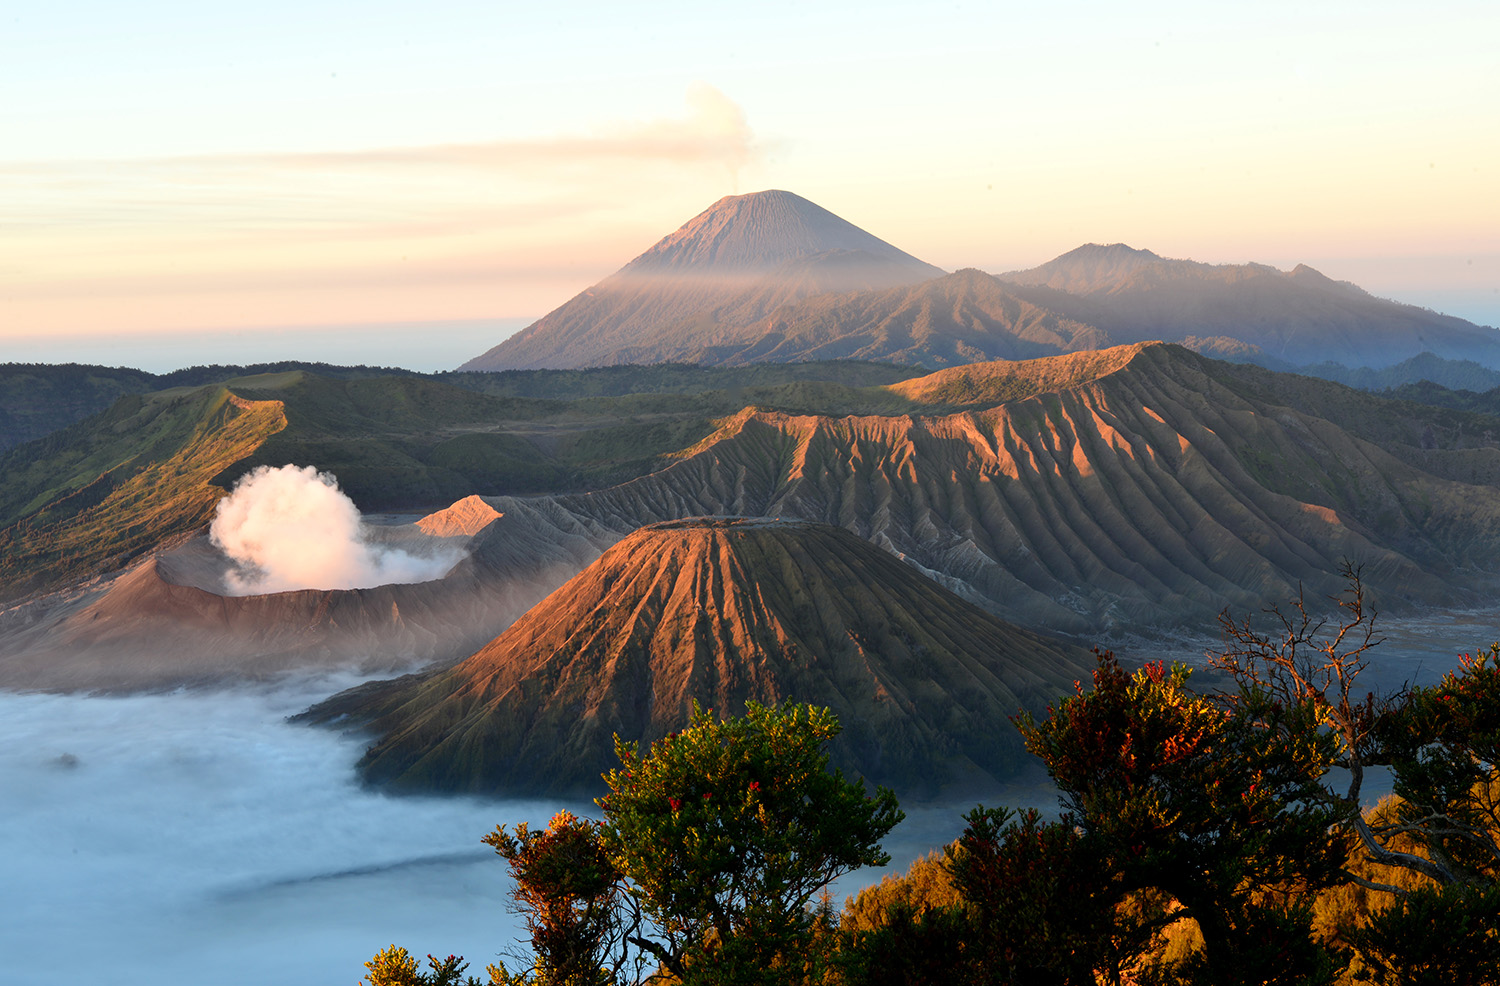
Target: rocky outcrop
465, 518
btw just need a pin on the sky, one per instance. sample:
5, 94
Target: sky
353, 180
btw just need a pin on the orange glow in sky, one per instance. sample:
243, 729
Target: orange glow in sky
165, 172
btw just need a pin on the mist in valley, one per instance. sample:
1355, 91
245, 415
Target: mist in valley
197, 835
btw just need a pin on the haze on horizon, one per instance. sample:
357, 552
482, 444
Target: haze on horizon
176, 169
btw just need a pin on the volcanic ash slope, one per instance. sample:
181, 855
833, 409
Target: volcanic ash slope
720, 611
1142, 485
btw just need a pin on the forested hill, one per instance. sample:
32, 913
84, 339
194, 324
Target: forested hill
37, 399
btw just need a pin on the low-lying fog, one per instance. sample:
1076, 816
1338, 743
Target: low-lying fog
198, 837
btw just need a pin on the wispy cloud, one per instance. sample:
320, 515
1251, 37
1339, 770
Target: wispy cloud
508, 226
714, 131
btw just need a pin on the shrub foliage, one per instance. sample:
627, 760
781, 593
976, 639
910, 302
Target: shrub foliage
1200, 839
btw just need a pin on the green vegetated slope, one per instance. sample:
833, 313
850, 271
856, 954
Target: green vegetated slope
395, 442
672, 378
1454, 374
1144, 486
1485, 402
37, 399
399, 442
86, 500
721, 612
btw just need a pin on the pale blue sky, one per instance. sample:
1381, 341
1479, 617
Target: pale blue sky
171, 166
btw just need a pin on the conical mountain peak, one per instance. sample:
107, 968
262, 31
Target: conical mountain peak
745, 253
721, 611
758, 232
1091, 267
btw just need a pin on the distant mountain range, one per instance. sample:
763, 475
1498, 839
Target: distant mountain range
1296, 318
771, 277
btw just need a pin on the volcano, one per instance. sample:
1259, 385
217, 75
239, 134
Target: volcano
720, 611
752, 253
1289, 318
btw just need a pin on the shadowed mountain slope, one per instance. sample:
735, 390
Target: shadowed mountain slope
92, 497
965, 317
1143, 485
720, 611
757, 251
1298, 317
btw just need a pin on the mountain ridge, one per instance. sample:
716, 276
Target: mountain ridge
1102, 491
964, 317
773, 277
1156, 491
1299, 317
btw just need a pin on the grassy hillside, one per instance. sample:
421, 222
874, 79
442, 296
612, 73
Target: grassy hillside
405, 442
88, 499
37, 399
673, 378
91, 496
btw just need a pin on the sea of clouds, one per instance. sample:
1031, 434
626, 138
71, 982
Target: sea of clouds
199, 837
291, 527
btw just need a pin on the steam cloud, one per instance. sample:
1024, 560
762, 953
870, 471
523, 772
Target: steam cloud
292, 528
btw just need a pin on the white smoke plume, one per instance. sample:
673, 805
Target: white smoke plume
293, 528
